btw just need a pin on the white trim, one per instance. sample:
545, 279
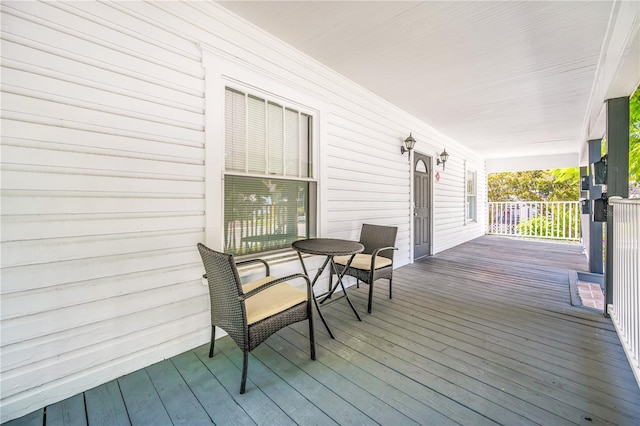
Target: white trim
213, 152
221, 73
412, 206
431, 173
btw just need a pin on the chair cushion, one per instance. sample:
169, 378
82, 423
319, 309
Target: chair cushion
272, 300
363, 261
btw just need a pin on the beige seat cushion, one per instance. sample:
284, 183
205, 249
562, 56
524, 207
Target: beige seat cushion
363, 261
272, 300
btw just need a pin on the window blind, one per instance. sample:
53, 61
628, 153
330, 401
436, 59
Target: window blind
268, 206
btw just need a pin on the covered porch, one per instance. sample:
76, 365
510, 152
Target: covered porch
483, 333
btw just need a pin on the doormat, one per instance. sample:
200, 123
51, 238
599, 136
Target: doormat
586, 290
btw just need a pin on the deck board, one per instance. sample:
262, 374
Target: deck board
70, 411
218, 403
257, 405
144, 405
326, 392
488, 394
182, 406
480, 334
105, 405
378, 395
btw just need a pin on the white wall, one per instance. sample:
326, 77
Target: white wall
109, 114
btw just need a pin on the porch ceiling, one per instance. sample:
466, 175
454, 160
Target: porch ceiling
506, 79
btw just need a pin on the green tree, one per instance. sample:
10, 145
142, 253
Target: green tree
634, 138
558, 226
562, 184
535, 185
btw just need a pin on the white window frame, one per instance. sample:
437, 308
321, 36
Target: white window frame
305, 167
473, 195
221, 71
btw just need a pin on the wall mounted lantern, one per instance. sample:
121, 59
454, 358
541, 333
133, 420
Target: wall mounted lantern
409, 143
444, 156
599, 171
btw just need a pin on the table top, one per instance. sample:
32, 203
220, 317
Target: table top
328, 246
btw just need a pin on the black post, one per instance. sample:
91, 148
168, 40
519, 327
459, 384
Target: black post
617, 174
595, 228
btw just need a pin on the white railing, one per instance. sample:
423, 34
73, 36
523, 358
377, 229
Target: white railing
558, 220
625, 310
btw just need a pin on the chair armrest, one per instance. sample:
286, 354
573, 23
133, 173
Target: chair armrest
249, 261
246, 262
277, 281
375, 253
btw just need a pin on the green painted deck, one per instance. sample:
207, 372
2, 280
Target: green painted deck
480, 334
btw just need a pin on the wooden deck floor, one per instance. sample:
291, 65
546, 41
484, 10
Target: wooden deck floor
480, 334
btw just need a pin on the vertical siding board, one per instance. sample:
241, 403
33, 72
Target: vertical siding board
103, 181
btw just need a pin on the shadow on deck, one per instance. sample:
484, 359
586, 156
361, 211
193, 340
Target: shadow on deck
483, 333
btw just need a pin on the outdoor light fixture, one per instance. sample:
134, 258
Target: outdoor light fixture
599, 171
408, 144
444, 156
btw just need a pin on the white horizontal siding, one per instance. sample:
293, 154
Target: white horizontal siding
449, 200
103, 179
102, 198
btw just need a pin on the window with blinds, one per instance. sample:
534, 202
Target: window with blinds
471, 201
269, 193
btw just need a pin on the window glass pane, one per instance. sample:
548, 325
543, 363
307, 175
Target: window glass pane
257, 135
265, 138
471, 195
292, 143
276, 139
421, 167
471, 207
235, 123
264, 214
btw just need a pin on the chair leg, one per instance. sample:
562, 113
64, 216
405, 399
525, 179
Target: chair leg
245, 364
390, 281
213, 340
312, 340
370, 296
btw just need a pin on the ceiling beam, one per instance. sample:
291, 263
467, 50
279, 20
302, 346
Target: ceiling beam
618, 72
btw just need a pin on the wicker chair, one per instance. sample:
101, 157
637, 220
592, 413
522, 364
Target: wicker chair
252, 312
375, 262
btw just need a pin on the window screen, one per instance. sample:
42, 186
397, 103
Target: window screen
269, 196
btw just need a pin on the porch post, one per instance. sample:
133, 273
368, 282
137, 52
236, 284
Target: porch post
595, 228
617, 174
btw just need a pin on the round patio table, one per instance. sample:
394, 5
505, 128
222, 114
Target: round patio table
328, 247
